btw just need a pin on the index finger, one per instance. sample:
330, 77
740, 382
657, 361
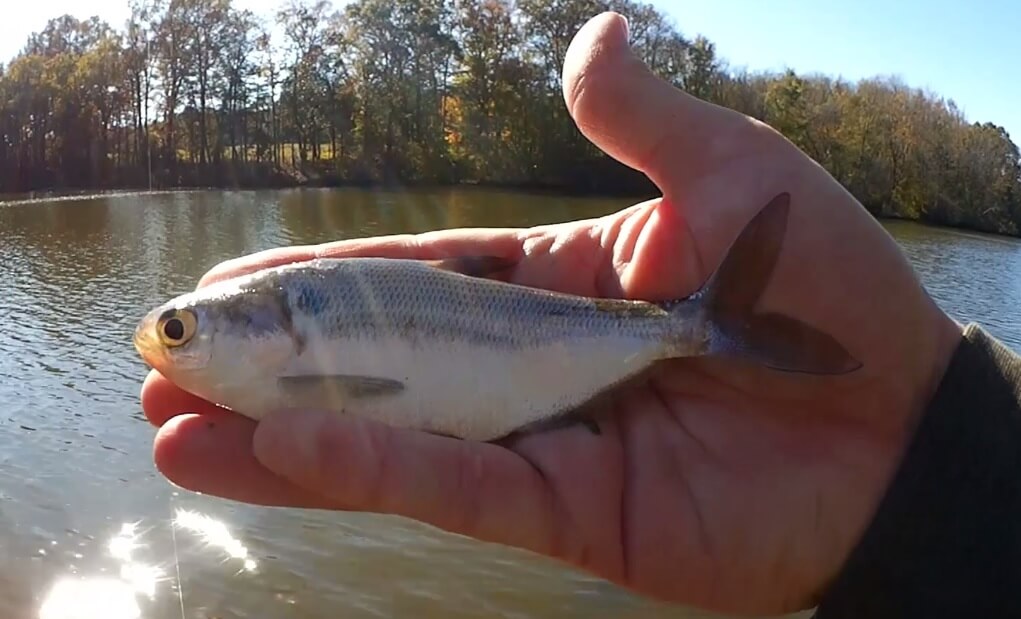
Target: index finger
504, 243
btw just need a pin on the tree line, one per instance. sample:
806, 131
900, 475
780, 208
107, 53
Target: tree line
202, 93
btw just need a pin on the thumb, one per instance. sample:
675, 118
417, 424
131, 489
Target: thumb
638, 118
715, 166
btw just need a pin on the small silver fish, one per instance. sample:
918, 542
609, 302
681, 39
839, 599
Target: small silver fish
439, 347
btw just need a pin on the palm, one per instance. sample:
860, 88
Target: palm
705, 478
697, 495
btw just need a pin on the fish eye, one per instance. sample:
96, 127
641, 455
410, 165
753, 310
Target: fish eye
176, 327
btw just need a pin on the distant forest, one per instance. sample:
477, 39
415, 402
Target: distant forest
402, 92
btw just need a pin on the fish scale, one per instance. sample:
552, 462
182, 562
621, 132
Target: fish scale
366, 297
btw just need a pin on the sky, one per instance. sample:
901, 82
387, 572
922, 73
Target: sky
966, 51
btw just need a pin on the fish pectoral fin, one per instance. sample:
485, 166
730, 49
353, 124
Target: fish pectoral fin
311, 388
473, 266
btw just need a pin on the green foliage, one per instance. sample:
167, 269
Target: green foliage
198, 92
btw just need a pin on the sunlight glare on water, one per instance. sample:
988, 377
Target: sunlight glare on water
92, 598
215, 534
117, 597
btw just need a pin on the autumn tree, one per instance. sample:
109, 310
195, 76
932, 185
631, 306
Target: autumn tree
200, 92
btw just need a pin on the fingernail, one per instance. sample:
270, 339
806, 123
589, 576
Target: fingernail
624, 33
627, 28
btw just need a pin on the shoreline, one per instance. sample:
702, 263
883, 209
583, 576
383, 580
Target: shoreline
70, 194
549, 189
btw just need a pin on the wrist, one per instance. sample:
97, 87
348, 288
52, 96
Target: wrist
947, 533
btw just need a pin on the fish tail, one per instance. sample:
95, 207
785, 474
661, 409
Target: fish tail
724, 307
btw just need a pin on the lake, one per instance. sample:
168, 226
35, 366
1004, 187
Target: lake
85, 519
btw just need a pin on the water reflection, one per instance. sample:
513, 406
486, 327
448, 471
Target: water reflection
214, 534
105, 596
973, 277
91, 599
320, 215
102, 596
75, 452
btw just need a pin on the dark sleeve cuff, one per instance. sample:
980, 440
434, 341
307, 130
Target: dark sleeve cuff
946, 539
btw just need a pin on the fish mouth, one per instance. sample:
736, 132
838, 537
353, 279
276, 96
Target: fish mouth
146, 342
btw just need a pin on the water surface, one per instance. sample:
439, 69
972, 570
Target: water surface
84, 516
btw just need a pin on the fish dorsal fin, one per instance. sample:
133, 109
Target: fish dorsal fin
320, 390
473, 266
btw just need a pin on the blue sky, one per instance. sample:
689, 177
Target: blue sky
967, 51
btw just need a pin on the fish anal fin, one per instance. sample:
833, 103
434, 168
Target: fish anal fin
473, 266
783, 343
563, 421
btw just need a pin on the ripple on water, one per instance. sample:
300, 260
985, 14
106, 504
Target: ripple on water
85, 520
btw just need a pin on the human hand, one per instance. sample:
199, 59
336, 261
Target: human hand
731, 488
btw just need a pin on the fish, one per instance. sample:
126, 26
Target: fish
443, 346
